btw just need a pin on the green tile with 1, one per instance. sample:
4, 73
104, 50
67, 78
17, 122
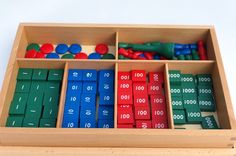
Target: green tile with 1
23, 86
35, 99
38, 86
30, 122
51, 98
33, 111
50, 111
55, 75
40, 74
47, 123
25, 74
14, 121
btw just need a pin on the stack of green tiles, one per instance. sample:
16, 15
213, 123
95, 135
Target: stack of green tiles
36, 98
190, 96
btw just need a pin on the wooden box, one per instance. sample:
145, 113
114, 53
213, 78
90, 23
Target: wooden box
116, 140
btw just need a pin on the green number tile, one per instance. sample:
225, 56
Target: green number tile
179, 117
204, 79
50, 111
176, 90
52, 87
33, 111
177, 102
38, 86
24, 74
193, 115
14, 121
207, 103
20, 98
51, 98
35, 99
23, 86
190, 102
47, 123
30, 122
175, 77
209, 122
17, 108
189, 89
188, 78
55, 75
40, 74
205, 91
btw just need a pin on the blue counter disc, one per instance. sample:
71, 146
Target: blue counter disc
94, 56
61, 48
53, 56
75, 48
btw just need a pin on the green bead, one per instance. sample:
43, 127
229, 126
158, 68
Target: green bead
174, 58
14, 121
181, 57
124, 45
195, 55
108, 56
34, 46
121, 57
209, 122
179, 116
188, 57
47, 123
67, 56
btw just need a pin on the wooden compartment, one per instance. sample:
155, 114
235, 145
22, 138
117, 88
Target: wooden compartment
116, 137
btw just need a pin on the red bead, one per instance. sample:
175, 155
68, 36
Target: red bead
149, 56
125, 98
125, 117
46, 48
125, 126
138, 75
123, 52
154, 88
124, 76
31, 53
141, 100
158, 101
125, 86
156, 77
40, 55
139, 88
159, 124
143, 124
163, 58
101, 49
142, 113
81, 55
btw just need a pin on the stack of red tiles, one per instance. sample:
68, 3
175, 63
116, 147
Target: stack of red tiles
141, 104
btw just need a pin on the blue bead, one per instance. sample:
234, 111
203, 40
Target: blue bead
53, 56
107, 75
90, 87
105, 112
88, 112
193, 46
61, 48
88, 100
178, 46
106, 98
89, 75
88, 123
156, 57
74, 88
186, 46
72, 98
71, 116
75, 75
106, 86
94, 56
105, 124
178, 52
186, 52
142, 55
75, 49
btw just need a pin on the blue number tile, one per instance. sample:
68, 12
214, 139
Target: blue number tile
90, 87
106, 86
89, 75
88, 123
87, 112
105, 123
71, 116
106, 75
73, 99
88, 100
75, 75
106, 98
74, 87
106, 112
